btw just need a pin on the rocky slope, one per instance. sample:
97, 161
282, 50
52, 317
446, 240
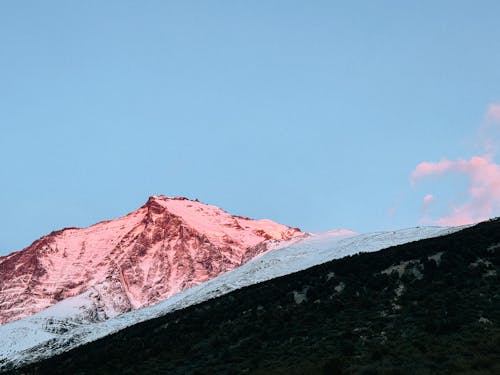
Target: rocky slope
164, 247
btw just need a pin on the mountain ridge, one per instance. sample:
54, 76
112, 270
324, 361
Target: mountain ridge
422, 307
65, 325
144, 256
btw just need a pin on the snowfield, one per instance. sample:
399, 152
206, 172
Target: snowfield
81, 319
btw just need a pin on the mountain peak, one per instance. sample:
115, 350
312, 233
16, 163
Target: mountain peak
162, 248
163, 198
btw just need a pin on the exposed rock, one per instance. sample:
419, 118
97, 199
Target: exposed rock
164, 247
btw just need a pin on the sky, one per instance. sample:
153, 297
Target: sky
316, 114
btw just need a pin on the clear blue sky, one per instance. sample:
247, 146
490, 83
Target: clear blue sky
310, 113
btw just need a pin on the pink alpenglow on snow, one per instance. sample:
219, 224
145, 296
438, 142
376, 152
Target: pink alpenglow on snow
164, 247
483, 191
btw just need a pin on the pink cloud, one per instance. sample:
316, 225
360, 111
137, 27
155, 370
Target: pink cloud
428, 199
458, 216
493, 113
483, 191
430, 168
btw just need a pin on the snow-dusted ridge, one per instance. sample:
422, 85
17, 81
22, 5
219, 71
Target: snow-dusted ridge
137, 260
77, 320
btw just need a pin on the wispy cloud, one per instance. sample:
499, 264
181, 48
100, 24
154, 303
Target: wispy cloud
428, 199
426, 203
493, 113
483, 192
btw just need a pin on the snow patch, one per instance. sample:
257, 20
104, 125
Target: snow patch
436, 257
301, 296
484, 320
399, 290
411, 266
340, 287
480, 261
493, 247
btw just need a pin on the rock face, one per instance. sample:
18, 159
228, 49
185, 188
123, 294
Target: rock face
164, 247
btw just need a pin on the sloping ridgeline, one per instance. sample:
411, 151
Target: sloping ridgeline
427, 307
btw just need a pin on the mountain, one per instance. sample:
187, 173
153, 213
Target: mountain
164, 247
73, 322
424, 307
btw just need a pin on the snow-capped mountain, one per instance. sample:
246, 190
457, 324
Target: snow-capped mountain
75, 320
164, 247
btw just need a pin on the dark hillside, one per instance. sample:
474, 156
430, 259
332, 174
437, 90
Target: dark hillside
427, 307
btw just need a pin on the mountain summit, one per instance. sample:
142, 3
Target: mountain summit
162, 248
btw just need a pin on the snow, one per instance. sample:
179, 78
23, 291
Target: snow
75, 321
217, 224
75, 259
436, 257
